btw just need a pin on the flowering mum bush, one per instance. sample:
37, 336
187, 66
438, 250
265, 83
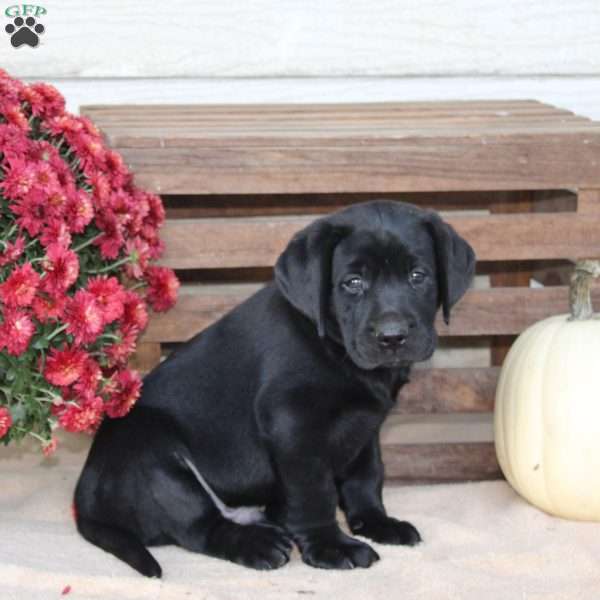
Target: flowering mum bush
77, 240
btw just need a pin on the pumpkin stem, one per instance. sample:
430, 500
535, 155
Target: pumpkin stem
580, 301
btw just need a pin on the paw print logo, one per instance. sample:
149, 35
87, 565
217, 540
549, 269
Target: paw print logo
24, 32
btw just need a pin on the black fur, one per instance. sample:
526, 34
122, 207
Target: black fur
279, 403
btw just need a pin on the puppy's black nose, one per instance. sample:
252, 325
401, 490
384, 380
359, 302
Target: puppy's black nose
392, 334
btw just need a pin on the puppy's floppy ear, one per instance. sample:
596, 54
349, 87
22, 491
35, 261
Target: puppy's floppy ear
303, 271
455, 263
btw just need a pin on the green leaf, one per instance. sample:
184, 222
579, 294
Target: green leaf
40, 343
17, 412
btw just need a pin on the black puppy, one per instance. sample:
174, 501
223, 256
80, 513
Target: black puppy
279, 404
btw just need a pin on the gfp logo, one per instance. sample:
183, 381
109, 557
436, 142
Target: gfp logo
24, 28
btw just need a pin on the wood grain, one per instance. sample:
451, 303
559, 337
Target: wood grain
437, 463
413, 169
588, 202
266, 38
495, 311
146, 357
353, 148
448, 390
254, 242
164, 126
139, 125
505, 161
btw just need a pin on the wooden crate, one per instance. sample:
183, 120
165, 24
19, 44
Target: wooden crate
238, 181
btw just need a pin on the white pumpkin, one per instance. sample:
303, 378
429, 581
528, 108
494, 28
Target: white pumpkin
547, 412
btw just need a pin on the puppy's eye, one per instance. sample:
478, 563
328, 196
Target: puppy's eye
417, 276
354, 285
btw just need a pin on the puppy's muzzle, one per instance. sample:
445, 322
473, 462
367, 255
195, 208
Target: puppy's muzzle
392, 332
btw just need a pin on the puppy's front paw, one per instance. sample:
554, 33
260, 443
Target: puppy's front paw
329, 549
385, 530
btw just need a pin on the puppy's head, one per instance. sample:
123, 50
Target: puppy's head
373, 276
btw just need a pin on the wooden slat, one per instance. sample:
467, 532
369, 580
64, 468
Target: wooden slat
448, 390
300, 132
229, 243
124, 111
412, 164
354, 148
323, 140
436, 463
146, 357
588, 202
143, 121
495, 311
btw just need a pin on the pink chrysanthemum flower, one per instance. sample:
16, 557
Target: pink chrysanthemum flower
85, 415
119, 352
47, 306
12, 251
20, 287
16, 331
65, 366
62, 268
5, 421
129, 385
135, 313
163, 287
87, 384
49, 448
45, 100
109, 294
83, 316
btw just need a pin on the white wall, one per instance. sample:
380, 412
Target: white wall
315, 38
316, 50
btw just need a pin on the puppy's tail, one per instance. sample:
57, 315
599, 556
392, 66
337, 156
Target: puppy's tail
122, 544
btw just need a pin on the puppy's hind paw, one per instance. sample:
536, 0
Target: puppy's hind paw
258, 546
